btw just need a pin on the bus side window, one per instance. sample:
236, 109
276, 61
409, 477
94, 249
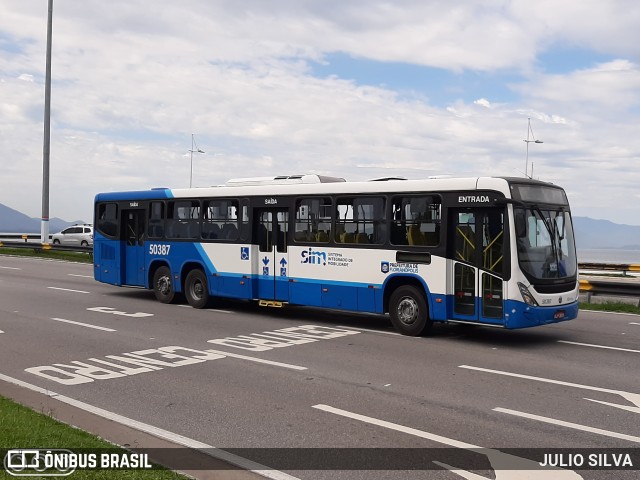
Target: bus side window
107, 222
245, 225
361, 220
220, 219
520, 223
416, 220
312, 220
156, 220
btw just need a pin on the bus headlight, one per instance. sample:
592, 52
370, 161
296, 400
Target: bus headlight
526, 295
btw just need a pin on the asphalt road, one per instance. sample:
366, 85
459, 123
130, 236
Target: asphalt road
323, 394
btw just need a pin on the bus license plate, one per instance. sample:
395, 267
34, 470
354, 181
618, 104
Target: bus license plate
559, 315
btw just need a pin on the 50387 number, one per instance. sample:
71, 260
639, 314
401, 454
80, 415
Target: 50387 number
159, 249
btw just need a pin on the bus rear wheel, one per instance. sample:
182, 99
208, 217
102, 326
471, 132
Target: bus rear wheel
408, 311
163, 286
196, 289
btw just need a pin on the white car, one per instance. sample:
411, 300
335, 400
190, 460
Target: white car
78, 235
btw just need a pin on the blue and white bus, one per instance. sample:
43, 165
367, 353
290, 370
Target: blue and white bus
489, 251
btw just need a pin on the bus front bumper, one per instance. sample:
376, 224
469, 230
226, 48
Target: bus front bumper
521, 315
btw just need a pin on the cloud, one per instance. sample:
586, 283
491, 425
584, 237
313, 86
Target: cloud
483, 102
132, 83
605, 89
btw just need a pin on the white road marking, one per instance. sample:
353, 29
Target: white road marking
76, 275
462, 473
634, 323
370, 330
506, 466
208, 309
631, 397
1, 331
10, 268
68, 290
258, 360
117, 312
283, 337
158, 432
599, 346
613, 313
140, 361
575, 426
84, 324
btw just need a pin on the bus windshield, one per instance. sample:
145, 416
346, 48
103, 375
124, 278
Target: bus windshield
546, 248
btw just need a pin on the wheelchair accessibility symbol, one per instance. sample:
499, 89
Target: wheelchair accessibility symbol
244, 253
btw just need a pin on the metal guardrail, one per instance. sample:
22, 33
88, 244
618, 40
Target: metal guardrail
39, 247
623, 268
23, 236
610, 287
598, 285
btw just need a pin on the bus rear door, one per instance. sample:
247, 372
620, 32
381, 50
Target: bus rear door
132, 235
477, 250
271, 226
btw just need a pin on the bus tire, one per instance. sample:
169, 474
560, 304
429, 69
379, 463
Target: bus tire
408, 311
163, 285
196, 289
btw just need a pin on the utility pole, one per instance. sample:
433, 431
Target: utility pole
44, 227
526, 165
194, 148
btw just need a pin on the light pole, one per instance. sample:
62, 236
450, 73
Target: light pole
527, 141
46, 147
194, 148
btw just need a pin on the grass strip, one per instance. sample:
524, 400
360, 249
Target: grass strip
610, 307
21, 427
52, 254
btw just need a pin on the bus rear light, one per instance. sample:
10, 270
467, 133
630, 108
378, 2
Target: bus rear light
526, 295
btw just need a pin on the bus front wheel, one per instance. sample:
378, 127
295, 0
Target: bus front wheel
196, 289
163, 286
408, 311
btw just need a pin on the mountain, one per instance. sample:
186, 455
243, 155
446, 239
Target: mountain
12, 221
593, 233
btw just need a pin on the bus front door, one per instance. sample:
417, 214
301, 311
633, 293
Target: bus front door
273, 259
478, 262
132, 237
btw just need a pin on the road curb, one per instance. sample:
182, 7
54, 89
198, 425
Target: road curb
122, 435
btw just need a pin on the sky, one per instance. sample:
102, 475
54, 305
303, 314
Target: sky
359, 89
